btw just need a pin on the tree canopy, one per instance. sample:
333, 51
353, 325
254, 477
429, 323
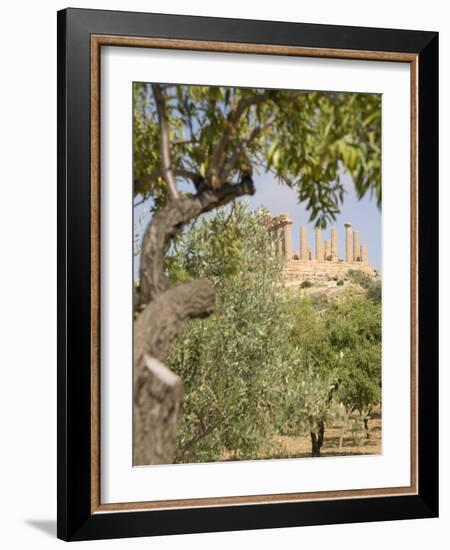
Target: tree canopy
211, 135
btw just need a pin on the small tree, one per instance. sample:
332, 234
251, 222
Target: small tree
354, 331
309, 397
335, 357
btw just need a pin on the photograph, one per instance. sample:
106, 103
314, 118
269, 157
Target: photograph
257, 273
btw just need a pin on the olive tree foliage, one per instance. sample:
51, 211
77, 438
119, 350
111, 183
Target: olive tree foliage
312, 367
230, 362
354, 331
218, 135
333, 359
196, 149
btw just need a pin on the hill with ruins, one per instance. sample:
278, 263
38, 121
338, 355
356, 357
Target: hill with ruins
321, 266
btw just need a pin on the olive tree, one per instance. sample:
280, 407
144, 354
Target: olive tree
333, 358
230, 362
354, 331
312, 367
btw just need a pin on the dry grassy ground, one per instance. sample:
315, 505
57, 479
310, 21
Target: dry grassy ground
354, 442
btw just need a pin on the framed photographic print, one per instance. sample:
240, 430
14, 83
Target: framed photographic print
247, 260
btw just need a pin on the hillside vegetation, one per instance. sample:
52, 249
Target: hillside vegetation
271, 366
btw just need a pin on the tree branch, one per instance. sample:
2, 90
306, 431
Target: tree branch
168, 221
145, 198
181, 141
230, 164
141, 182
233, 118
166, 163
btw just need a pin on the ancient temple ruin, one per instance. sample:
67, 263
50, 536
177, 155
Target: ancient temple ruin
321, 263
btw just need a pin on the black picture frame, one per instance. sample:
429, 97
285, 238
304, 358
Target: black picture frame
76, 520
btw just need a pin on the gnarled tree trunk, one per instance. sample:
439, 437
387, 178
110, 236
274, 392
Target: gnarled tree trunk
164, 310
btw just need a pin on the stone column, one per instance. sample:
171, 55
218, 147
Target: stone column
348, 243
356, 250
303, 244
327, 250
287, 233
334, 245
364, 257
280, 240
319, 245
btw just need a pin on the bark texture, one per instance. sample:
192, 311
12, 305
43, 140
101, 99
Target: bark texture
367, 428
164, 318
317, 439
158, 391
158, 395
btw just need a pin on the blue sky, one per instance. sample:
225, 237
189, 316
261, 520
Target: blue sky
363, 214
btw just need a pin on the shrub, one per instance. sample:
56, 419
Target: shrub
340, 283
374, 292
306, 284
360, 278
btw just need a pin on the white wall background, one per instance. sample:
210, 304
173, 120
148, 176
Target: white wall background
28, 271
